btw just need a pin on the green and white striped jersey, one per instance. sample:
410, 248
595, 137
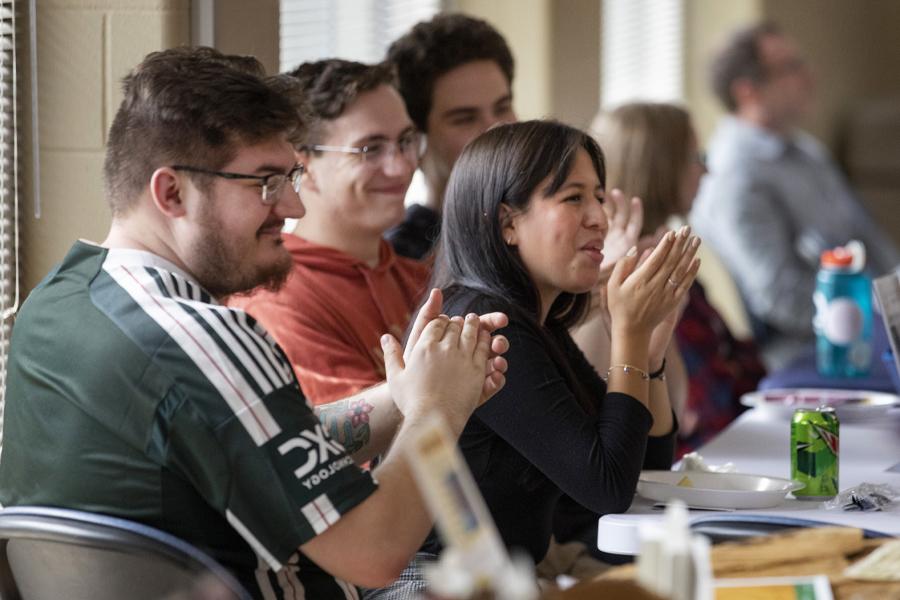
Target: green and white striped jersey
132, 392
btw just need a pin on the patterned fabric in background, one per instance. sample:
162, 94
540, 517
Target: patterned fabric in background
720, 369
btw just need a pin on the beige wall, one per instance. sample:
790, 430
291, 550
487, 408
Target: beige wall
234, 35
527, 27
84, 49
575, 61
556, 44
852, 48
706, 25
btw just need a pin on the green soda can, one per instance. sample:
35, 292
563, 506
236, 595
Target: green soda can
814, 452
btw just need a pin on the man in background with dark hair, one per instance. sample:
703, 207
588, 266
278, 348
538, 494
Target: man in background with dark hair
133, 392
347, 286
455, 74
773, 199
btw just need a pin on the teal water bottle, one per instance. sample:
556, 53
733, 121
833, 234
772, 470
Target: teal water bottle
843, 318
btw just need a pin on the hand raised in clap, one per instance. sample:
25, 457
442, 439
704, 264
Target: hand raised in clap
626, 219
662, 334
452, 365
643, 291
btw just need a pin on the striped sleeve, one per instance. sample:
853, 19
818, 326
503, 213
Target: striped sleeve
238, 424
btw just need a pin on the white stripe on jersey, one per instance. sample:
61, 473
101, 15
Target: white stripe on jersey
269, 347
251, 539
261, 345
203, 350
233, 337
320, 513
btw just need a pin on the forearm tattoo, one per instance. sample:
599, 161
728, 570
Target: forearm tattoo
347, 422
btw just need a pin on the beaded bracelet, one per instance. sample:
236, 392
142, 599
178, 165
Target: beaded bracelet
627, 369
660, 373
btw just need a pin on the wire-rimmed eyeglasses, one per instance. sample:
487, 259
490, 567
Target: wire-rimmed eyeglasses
270, 185
410, 145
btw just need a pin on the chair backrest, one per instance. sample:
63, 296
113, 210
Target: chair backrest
50, 553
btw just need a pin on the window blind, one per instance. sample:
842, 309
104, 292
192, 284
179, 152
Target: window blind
642, 51
358, 30
9, 181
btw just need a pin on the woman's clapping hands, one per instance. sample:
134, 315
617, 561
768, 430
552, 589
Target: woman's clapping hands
646, 290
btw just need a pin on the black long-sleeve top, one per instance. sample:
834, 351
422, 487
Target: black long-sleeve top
533, 442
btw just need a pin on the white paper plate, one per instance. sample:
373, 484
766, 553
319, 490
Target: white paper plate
715, 490
850, 405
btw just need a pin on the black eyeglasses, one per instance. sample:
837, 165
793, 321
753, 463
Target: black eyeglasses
271, 185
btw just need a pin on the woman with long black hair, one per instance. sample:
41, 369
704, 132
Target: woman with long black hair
523, 233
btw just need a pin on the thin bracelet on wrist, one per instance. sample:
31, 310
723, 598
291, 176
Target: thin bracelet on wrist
660, 373
626, 369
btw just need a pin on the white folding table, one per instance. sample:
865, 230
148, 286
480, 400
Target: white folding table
758, 443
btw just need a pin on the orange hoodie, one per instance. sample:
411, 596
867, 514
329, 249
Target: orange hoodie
332, 311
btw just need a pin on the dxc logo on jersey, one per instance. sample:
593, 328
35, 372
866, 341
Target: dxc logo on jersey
318, 449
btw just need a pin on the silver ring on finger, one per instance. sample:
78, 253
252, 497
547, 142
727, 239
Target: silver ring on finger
672, 282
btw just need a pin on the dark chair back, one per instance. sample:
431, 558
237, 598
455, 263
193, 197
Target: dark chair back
52, 553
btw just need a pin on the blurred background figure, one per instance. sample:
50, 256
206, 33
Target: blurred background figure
652, 152
454, 73
773, 199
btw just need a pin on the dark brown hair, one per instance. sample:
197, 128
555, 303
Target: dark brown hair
192, 106
324, 89
740, 59
432, 48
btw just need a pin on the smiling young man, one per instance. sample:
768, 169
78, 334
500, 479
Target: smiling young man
347, 286
133, 392
455, 74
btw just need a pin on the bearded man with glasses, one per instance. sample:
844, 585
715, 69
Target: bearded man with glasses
133, 392
347, 286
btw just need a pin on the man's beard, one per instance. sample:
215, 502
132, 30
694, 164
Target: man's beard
223, 269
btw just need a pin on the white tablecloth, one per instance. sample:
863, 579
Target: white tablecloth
758, 443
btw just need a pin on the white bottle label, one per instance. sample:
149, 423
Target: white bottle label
843, 322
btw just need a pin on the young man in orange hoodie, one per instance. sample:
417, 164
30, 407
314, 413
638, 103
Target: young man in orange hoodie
347, 286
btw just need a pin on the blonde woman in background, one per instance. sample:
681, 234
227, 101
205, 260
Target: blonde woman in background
652, 153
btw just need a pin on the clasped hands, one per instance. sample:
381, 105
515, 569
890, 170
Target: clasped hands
450, 364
